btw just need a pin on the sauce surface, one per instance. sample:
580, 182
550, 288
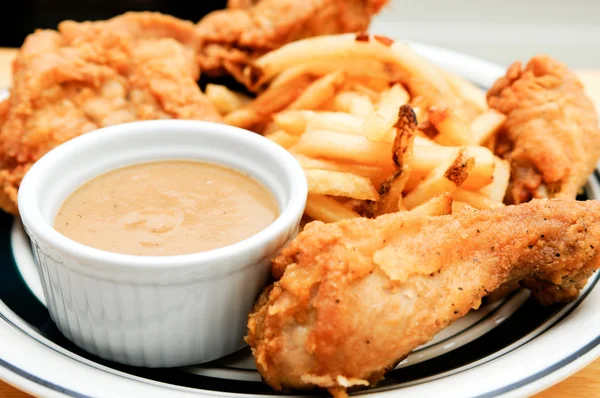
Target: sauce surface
166, 208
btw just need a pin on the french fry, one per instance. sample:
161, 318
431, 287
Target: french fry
225, 100
440, 205
364, 90
271, 101
375, 83
419, 113
326, 182
326, 209
345, 147
244, 118
293, 121
333, 103
424, 141
270, 128
497, 189
376, 174
343, 47
352, 102
452, 130
466, 90
483, 176
379, 122
414, 179
360, 70
446, 177
486, 125
396, 95
283, 138
290, 75
346, 47
476, 199
458, 207
427, 157
320, 91
402, 152
340, 122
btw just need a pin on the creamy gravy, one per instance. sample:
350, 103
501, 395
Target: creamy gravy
166, 208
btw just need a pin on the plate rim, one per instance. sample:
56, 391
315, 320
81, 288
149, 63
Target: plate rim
484, 72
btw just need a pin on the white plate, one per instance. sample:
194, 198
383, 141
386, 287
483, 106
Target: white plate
511, 347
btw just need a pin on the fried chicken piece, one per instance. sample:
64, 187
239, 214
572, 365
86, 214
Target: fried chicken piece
231, 38
89, 75
551, 135
355, 297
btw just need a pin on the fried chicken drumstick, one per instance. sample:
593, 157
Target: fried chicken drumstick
230, 39
551, 135
355, 297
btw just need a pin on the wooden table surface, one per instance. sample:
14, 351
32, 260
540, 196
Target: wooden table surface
585, 383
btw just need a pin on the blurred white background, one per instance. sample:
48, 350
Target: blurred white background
502, 30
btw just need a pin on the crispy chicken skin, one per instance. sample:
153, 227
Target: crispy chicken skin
231, 38
551, 135
355, 297
88, 75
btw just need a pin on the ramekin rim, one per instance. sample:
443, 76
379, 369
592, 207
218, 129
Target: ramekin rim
33, 220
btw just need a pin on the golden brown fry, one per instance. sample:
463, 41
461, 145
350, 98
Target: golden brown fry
320, 91
293, 121
427, 157
376, 174
348, 47
333, 183
402, 152
364, 90
476, 199
225, 100
282, 138
323, 208
345, 147
487, 125
343, 47
414, 179
384, 117
446, 177
497, 189
458, 207
364, 71
452, 130
271, 101
340, 122
440, 205
352, 102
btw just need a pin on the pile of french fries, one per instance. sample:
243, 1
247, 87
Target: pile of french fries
376, 127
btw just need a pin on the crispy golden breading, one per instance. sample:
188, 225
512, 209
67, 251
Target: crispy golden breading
551, 135
94, 74
355, 297
231, 38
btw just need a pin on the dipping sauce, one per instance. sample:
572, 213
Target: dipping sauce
166, 208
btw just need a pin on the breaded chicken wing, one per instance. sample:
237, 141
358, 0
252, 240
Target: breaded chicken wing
551, 135
355, 297
231, 38
93, 74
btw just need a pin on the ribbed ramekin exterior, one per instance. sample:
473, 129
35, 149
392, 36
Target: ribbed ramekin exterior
157, 324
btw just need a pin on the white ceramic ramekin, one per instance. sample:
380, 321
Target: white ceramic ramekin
156, 311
